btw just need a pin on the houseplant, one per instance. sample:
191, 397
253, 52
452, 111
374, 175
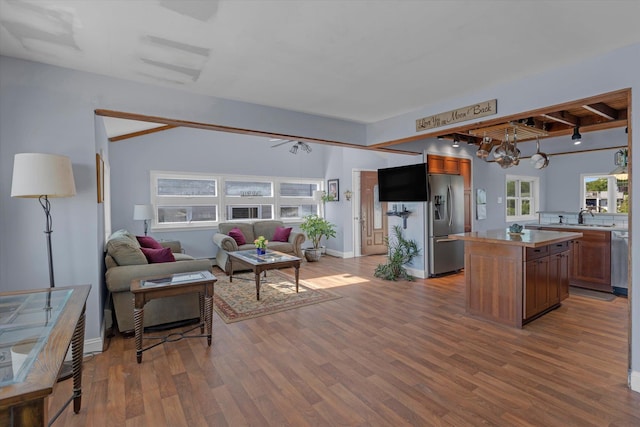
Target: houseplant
316, 227
261, 245
401, 251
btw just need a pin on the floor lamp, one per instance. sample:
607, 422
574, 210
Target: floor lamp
43, 176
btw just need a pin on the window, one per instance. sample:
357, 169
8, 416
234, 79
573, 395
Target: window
605, 193
521, 198
184, 200
190, 200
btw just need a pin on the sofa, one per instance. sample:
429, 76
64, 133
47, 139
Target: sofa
125, 261
251, 231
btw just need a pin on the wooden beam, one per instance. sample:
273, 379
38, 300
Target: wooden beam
140, 133
221, 128
563, 117
603, 110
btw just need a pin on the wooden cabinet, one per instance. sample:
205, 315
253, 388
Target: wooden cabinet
443, 164
591, 266
590, 260
538, 292
465, 171
546, 278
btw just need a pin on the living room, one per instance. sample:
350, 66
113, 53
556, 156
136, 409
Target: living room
45, 108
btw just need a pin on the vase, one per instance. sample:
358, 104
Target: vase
261, 251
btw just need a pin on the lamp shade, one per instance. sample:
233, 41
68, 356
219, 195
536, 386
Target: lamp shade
141, 212
37, 174
317, 195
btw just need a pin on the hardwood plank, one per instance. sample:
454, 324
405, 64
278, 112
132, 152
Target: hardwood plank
386, 353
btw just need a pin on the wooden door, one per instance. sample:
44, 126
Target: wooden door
373, 218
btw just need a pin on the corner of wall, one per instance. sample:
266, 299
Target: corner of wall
634, 381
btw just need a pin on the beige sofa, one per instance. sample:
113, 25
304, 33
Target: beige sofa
125, 262
251, 231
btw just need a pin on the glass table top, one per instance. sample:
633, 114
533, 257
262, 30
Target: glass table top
270, 256
26, 320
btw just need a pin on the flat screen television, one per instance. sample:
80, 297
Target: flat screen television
403, 183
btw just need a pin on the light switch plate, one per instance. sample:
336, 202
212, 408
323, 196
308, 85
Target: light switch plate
499, 200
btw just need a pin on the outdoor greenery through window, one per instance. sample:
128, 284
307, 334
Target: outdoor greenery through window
521, 197
605, 193
190, 200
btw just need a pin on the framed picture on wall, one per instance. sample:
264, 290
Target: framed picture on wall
333, 189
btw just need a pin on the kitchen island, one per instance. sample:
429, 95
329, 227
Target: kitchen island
515, 278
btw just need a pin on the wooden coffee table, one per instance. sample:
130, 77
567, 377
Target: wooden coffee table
261, 263
147, 288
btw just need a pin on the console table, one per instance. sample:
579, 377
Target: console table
36, 329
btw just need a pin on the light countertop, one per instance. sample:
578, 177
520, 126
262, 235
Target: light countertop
528, 238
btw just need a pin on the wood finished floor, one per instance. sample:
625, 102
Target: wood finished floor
385, 354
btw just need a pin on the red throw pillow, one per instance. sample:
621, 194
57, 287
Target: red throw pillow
237, 235
158, 255
148, 242
281, 234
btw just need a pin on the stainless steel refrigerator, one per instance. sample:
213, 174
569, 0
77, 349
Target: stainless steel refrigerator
445, 212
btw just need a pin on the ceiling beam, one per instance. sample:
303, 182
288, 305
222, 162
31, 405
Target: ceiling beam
603, 110
221, 128
140, 133
563, 117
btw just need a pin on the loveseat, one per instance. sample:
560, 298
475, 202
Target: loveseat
125, 260
251, 231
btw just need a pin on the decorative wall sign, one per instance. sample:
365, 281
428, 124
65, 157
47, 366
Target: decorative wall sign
481, 109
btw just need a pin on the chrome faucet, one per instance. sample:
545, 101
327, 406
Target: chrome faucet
581, 217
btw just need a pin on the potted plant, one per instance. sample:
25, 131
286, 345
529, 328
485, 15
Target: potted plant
316, 227
401, 251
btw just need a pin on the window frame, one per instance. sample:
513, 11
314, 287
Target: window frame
612, 187
534, 198
222, 201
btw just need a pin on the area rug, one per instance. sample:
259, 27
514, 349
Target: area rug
588, 293
237, 301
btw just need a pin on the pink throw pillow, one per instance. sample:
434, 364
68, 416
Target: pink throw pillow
158, 255
237, 235
148, 242
281, 234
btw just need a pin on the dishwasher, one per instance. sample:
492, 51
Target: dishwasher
619, 262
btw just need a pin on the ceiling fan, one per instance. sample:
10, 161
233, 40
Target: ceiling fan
298, 145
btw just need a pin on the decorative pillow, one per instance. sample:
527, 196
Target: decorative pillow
148, 242
125, 251
158, 255
237, 236
281, 234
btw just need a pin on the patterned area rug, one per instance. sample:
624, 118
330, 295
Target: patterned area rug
237, 301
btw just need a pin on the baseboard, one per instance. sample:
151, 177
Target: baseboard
634, 381
420, 274
339, 254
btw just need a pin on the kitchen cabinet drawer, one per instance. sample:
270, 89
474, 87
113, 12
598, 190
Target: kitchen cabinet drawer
535, 253
558, 247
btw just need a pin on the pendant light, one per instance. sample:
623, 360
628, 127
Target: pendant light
576, 137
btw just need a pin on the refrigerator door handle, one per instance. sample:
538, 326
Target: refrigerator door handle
445, 240
450, 202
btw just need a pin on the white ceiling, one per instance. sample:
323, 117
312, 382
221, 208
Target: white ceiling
357, 60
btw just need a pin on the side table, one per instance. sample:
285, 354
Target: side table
148, 288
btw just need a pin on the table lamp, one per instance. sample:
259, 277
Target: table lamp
143, 213
43, 176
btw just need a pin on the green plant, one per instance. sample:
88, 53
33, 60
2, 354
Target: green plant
316, 228
261, 242
401, 251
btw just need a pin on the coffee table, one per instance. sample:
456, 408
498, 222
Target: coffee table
261, 263
147, 288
